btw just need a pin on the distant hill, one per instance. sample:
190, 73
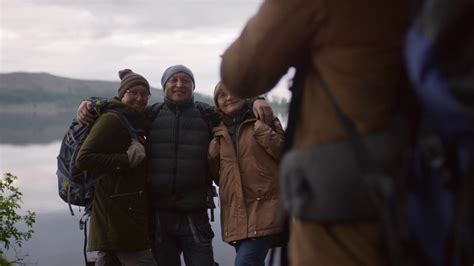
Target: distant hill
37, 107
36, 92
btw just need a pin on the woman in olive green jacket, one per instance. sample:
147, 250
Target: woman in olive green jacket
119, 218
243, 157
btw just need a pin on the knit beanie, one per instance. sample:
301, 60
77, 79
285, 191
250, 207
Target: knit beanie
219, 87
129, 79
170, 71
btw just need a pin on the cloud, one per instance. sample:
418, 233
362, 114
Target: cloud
93, 39
161, 15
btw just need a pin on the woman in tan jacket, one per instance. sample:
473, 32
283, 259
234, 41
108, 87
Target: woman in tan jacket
243, 158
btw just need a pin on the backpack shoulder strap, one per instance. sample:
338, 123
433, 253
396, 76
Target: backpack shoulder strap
154, 110
208, 114
125, 122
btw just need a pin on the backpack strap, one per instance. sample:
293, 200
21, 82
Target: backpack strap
154, 110
125, 122
208, 114
83, 226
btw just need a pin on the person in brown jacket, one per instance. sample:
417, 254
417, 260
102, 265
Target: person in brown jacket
354, 49
243, 157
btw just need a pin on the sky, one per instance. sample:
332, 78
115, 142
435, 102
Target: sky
93, 39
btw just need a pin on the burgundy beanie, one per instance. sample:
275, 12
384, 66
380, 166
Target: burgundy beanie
129, 79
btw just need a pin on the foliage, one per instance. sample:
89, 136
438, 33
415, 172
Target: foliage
3, 261
10, 199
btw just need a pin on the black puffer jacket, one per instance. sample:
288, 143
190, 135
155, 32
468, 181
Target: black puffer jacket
177, 156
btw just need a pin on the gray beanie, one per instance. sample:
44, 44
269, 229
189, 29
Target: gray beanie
170, 71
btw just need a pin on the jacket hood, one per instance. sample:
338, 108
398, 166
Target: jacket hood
173, 105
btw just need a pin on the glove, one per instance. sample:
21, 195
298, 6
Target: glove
135, 153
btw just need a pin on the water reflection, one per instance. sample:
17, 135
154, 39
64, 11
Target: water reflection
57, 240
35, 166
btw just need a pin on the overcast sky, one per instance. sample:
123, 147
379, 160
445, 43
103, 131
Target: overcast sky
93, 39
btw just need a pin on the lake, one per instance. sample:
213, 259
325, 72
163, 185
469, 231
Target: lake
57, 240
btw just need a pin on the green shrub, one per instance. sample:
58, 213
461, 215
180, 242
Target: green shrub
10, 204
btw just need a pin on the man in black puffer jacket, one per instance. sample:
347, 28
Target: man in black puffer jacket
178, 173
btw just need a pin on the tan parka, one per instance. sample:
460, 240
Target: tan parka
247, 178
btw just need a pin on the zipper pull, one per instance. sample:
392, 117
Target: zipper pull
178, 111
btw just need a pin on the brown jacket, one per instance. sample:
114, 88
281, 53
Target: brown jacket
354, 47
247, 178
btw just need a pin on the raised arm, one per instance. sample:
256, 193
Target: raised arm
262, 110
270, 137
83, 115
89, 109
271, 42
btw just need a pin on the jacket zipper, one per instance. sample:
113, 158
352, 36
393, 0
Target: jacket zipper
176, 138
237, 136
238, 162
117, 184
126, 194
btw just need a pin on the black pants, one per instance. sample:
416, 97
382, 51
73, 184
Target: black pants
174, 233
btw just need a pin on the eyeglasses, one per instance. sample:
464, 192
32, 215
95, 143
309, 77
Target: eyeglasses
143, 94
222, 96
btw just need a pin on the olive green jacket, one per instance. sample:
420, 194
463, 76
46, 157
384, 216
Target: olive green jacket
119, 218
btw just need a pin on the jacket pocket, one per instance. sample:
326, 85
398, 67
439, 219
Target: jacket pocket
326, 183
201, 228
133, 205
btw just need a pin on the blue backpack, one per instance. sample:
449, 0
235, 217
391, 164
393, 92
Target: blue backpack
75, 186
438, 202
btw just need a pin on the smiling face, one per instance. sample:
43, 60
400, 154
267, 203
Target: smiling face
179, 88
229, 104
136, 98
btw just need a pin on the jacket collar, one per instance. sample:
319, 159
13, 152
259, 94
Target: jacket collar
238, 118
174, 106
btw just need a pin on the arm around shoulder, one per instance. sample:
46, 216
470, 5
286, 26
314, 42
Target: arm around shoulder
272, 41
271, 138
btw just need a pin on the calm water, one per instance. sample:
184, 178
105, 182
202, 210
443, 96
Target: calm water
57, 240
35, 166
